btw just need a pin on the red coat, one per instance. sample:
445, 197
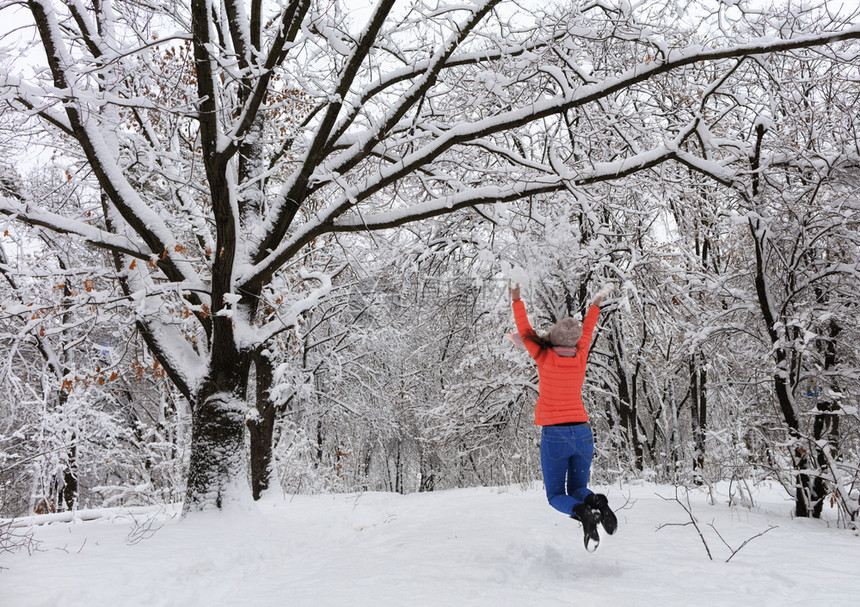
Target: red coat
560, 377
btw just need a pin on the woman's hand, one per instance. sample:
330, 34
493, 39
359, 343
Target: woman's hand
515, 292
602, 293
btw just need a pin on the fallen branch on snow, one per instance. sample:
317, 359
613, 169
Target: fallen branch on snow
688, 508
12, 540
85, 515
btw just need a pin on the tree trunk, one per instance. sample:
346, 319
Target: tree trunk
805, 493
70, 476
627, 417
804, 454
627, 414
826, 424
261, 428
698, 413
217, 471
430, 464
825, 428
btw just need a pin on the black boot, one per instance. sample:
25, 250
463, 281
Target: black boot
598, 502
588, 518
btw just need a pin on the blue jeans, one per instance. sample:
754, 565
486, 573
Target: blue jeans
565, 456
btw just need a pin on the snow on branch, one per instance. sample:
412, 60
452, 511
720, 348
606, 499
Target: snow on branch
432, 208
292, 18
712, 169
468, 132
139, 216
330, 218
34, 216
495, 194
17, 91
415, 92
402, 74
249, 336
183, 364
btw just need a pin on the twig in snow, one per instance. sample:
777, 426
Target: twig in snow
142, 530
689, 510
628, 503
746, 541
13, 540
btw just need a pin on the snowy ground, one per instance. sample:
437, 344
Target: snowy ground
496, 547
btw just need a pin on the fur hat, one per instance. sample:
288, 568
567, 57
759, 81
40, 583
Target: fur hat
566, 332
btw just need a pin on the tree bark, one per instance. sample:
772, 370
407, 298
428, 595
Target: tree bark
627, 414
261, 428
217, 470
698, 413
217, 473
825, 426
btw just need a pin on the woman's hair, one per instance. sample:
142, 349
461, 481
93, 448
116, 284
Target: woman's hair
541, 340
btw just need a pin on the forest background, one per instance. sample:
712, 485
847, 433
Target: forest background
253, 246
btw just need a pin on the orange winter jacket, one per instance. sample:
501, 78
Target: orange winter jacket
560, 378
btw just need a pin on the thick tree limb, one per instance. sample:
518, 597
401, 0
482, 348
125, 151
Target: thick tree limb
148, 224
295, 191
32, 215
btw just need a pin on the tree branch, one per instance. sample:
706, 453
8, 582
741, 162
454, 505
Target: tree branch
293, 16
139, 216
294, 193
64, 225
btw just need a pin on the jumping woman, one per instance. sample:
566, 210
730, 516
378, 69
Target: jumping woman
567, 445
